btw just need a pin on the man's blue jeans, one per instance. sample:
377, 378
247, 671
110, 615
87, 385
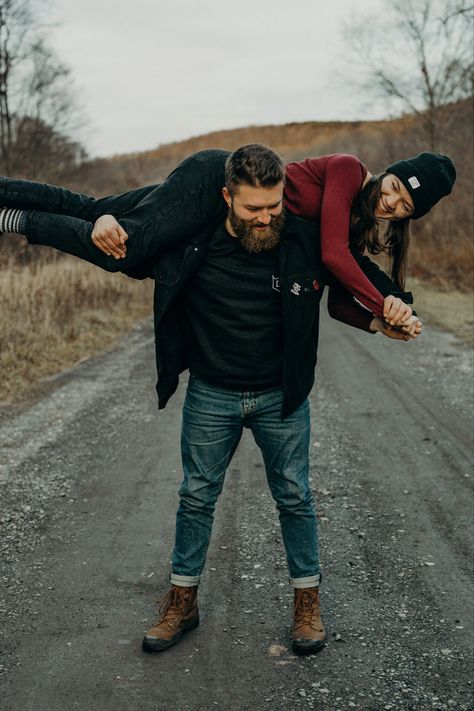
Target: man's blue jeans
213, 421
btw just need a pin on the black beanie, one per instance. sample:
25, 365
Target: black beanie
428, 177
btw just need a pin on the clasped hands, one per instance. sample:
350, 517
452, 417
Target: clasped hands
398, 321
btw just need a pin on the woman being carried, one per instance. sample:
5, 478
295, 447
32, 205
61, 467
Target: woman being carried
336, 191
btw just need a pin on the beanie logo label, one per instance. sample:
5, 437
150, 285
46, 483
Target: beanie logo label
414, 182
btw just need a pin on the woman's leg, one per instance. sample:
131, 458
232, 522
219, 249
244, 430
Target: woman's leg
188, 200
30, 195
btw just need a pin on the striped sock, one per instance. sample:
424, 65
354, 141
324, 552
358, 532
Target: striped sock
12, 220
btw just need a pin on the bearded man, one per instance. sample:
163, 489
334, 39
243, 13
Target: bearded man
251, 299
238, 304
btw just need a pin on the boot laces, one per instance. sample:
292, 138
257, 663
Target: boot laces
306, 609
173, 604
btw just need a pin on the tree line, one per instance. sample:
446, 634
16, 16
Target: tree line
38, 109
414, 55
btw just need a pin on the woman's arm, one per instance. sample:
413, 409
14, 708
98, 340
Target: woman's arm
342, 183
341, 306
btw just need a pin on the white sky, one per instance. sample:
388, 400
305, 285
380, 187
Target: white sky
153, 71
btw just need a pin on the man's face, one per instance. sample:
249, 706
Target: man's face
255, 216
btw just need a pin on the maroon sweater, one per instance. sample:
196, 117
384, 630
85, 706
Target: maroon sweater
323, 189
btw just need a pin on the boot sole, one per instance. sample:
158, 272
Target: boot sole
159, 645
311, 648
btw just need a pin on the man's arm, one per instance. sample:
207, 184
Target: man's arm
343, 307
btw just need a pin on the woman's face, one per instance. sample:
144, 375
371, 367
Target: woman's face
395, 202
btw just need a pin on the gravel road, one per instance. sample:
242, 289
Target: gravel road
88, 482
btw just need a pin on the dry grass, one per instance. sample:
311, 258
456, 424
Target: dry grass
451, 310
442, 255
53, 314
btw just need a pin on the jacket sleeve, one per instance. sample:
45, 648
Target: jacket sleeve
380, 279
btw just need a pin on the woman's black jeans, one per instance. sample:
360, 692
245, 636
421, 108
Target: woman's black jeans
155, 217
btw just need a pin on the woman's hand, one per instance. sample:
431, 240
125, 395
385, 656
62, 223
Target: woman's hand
110, 237
395, 311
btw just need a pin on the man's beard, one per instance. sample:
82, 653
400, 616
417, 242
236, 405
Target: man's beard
253, 240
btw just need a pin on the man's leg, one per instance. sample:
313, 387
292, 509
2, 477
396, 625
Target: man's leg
211, 430
285, 449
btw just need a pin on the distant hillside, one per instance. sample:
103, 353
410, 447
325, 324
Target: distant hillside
293, 141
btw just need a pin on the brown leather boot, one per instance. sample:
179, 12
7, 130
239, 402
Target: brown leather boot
308, 631
179, 614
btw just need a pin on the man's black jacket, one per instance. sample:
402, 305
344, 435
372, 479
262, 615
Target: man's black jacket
302, 281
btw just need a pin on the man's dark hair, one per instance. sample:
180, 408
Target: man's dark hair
255, 165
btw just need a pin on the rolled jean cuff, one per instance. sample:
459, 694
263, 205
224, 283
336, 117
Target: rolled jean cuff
184, 581
311, 582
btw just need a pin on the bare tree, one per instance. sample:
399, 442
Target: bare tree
15, 21
37, 108
417, 57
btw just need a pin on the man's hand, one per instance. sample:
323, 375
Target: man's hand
110, 237
395, 311
412, 327
377, 325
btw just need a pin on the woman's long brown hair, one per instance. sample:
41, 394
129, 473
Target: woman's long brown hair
365, 231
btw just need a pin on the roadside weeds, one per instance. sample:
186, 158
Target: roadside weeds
53, 314
451, 310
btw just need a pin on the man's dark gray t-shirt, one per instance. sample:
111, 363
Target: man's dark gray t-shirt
234, 315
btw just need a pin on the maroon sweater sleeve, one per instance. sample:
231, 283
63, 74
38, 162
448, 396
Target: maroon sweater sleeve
325, 188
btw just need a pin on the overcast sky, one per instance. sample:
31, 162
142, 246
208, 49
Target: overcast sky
153, 71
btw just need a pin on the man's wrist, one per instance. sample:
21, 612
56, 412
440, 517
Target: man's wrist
375, 325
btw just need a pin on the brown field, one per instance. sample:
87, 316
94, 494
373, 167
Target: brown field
53, 314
